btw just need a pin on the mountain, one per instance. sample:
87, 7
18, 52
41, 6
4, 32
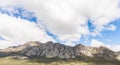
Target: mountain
49, 49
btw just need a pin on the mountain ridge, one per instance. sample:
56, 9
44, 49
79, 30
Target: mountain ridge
52, 50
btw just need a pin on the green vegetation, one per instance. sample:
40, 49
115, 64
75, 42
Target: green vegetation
56, 61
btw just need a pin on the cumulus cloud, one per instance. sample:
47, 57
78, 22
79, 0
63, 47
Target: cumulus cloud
114, 47
111, 27
96, 43
5, 44
68, 18
19, 31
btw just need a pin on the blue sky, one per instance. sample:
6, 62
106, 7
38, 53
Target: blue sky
23, 14
108, 37
113, 36
1, 38
67, 22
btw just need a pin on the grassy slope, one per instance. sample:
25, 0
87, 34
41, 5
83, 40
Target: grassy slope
54, 61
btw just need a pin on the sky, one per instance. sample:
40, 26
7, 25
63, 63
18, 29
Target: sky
70, 22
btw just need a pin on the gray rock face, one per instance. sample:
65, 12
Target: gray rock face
51, 50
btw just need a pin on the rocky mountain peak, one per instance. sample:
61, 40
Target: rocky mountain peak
49, 42
21, 47
31, 43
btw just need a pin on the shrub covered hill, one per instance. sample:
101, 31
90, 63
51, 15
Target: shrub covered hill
50, 53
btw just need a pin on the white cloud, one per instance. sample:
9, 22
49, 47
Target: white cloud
70, 44
96, 43
68, 18
114, 47
111, 27
19, 31
5, 44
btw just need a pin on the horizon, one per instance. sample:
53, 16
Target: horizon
90, 22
